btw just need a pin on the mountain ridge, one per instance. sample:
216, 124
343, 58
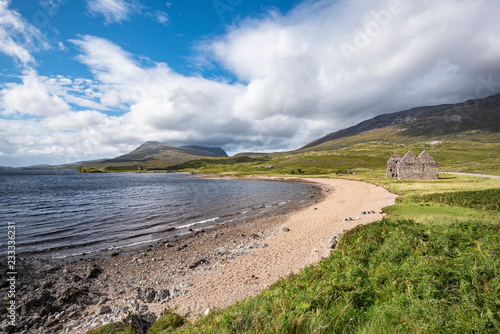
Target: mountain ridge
156, 155
431, 122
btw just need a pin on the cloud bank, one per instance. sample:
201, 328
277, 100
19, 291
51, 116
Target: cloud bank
323, 66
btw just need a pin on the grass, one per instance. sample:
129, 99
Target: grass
486, 200
445, 184
167, 323
452, 156
443, 200
391, 276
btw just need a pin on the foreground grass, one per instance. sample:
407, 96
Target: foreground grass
487, 200
392, 276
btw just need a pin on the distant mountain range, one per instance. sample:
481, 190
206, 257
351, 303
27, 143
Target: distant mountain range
474, 120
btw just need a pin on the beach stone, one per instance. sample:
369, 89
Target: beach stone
76, 278
286, 229
140, 322
94, 272
46, 285
255, 245
162, 296
198, 263
146, 295
175, 292
44, 296
332, 243
222, 250
105, 309
241, 252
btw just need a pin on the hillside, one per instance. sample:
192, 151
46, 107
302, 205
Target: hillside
155, 155
474, 120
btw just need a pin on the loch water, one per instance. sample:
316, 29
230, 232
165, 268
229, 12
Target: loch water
59, 214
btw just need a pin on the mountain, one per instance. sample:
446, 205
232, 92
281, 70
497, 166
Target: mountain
216, 150
155, 155
473, 120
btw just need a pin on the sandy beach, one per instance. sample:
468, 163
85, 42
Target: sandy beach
211, 269
288, 252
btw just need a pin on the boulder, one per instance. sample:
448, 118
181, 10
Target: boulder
162, 296
141, 322
146, 295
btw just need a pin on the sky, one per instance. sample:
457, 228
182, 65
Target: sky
89, 79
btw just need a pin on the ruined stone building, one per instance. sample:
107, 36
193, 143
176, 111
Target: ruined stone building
392, 165
412, 167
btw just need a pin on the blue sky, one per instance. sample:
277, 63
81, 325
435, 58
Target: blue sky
89, 79
160, 31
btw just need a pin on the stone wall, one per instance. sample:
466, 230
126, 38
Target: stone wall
412, 167
430, 167
392, 165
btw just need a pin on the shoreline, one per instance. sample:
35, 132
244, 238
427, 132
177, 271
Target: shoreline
242, 259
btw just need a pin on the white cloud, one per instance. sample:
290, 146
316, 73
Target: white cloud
112, 10
18, 39
31, 98
62, 47
161, 17
42, 96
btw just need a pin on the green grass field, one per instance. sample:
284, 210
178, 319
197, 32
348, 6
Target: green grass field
456, 156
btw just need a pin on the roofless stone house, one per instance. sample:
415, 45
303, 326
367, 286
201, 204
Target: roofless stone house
412, 167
